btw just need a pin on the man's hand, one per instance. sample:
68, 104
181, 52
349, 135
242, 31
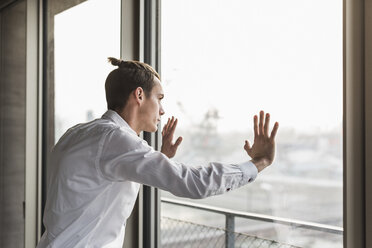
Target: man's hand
263, 150
168, 147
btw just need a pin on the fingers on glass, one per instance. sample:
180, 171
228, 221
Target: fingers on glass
178, 142
247, 146
266, 125
174, 124
263, 127
255, 126
165, 128
261, 124
170, 122
274, 131
170, 127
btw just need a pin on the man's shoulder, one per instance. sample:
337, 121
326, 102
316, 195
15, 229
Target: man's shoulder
95, 126
102, 132
88, 130
123, 139
124, 134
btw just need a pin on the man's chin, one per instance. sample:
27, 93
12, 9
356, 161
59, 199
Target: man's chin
152, 129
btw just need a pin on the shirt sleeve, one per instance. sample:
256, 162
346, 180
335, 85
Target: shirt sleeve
126, 157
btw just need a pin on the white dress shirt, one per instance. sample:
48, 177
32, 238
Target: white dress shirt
94, 175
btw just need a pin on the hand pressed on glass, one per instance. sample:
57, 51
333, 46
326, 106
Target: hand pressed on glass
168, 147
263, 150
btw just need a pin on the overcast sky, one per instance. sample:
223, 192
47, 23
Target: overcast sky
241, 56
238, 56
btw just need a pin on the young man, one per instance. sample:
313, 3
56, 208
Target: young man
96, 168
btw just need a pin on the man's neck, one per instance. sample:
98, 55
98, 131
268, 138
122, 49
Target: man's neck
129, 117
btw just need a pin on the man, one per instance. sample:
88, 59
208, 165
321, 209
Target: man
96, 168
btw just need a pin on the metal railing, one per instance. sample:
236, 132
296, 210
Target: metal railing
177, 233
230, 215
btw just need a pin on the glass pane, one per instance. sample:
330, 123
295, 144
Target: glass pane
223, 62
84, 36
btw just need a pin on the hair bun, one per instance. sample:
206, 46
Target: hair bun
114, 61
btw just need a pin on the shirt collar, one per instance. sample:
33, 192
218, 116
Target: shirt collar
117, 119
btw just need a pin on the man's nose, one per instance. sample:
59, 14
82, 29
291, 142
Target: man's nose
161, 111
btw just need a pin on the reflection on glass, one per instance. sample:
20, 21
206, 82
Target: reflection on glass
223, 62
84, 36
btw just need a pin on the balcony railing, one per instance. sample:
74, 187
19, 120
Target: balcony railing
205, 236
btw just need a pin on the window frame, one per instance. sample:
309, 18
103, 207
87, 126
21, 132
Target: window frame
150, 54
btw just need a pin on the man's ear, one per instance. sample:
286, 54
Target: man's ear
139, 95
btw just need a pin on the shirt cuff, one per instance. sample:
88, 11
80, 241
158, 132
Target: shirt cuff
249, 171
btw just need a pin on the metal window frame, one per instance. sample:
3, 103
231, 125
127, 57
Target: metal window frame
150, 53
357, 76
130, 50
33, 122
368, 119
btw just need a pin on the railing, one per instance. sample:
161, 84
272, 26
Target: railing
230, 215
178, 233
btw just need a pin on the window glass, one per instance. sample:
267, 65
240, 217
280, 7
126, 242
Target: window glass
224, 61
84, 36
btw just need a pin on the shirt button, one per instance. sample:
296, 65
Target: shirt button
228, 189
250, 180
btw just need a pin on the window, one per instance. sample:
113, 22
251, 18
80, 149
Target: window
224, 61
84, 37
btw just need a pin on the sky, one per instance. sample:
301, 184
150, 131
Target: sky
84, 36
241, 56
237, 56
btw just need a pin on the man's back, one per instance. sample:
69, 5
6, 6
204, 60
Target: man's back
83, 207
